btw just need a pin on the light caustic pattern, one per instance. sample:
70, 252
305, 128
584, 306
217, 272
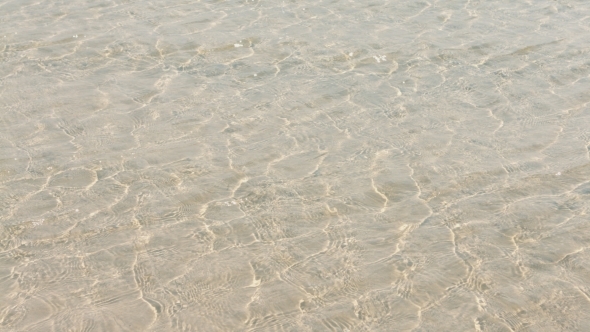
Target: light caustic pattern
294, 165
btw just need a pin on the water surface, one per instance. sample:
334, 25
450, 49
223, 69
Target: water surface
294, 165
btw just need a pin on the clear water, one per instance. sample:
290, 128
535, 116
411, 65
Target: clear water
294, 165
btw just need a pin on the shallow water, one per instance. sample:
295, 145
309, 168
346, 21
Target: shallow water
294, 165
